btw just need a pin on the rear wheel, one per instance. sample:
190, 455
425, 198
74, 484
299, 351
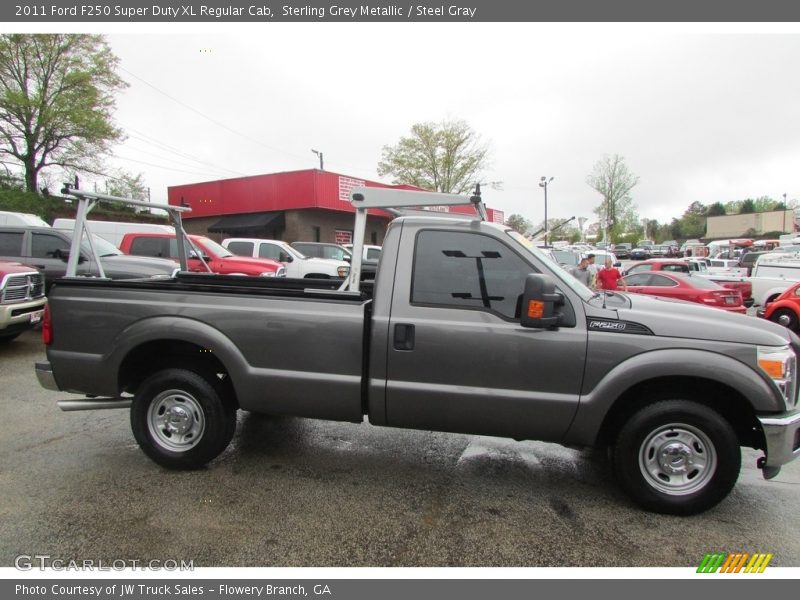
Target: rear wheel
677, 457
181, 420
786, 317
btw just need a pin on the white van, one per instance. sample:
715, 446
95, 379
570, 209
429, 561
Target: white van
774, 273
21, 219
113, 231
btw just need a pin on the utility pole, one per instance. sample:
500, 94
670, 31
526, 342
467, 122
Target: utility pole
543, 183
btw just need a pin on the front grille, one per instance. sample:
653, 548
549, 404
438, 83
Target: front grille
21, 288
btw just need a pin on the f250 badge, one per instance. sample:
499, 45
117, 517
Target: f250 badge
608, 325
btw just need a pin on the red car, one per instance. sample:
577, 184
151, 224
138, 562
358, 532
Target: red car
744, 287
785, 309
219, 259
685, 287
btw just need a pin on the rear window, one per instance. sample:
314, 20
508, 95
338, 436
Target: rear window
11, 243
150, 246
241, 248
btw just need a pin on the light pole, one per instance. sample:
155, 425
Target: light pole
318, 153
543, 182
581, 223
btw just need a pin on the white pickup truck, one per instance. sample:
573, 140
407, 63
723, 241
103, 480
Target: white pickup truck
297, 264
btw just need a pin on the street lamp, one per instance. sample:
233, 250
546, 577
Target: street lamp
581, 223
318, 153
543, 182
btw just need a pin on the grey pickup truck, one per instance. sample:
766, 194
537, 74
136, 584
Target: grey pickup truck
467, 328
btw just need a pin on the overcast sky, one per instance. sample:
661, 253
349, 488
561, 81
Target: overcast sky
699, 115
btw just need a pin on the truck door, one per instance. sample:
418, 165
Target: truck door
458, 358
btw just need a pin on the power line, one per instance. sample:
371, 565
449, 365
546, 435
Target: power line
211, 119
140, 135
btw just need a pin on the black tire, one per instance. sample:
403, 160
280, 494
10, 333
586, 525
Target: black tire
790, 318
699, 464
8, 338
182, 420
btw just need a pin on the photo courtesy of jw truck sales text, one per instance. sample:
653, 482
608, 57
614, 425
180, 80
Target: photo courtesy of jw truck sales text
673, 389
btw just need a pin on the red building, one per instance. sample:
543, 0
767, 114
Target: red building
309, 205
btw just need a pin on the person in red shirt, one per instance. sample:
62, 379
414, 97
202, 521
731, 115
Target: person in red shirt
610, 277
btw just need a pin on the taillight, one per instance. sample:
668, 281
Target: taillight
47, 326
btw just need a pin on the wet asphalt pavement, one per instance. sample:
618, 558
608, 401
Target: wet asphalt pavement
298, 492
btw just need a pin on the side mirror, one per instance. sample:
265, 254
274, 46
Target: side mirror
539, 301
64, 255
617, 264
285, 257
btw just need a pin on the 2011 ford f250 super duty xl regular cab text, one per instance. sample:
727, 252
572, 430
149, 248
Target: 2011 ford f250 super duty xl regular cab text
467, 329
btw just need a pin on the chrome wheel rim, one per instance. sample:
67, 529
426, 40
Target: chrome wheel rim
176, 420
677, 459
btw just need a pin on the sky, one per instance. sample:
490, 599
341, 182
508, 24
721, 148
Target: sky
709, 114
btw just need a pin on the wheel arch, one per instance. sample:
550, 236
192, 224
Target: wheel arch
729, 386
160, 343
722, 398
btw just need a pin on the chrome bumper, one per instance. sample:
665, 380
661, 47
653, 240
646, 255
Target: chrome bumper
782, 435
44, 373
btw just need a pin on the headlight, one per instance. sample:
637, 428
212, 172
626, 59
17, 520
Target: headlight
780, 365
268, 274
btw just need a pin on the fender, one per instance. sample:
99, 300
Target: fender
182, 329
595, 405
790, 304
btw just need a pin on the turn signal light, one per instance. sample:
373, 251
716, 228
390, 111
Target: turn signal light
773, 368
535, 309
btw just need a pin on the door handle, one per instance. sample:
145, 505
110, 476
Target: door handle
403, 336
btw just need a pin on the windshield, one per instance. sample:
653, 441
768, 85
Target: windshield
103, 246
576, 286
212, 247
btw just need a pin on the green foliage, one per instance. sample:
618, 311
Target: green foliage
17, 200
691, 225
612, 179
443, 157
748, 207
716, 210
56, 101
126, 185
518, 223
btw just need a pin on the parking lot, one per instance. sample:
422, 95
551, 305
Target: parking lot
295, 492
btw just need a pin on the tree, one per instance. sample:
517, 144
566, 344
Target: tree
612, 179
56, 101
748, 207
518, 223
443, 157
717, 209
693, 222
126, 185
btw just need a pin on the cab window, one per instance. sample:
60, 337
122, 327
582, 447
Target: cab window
466, 270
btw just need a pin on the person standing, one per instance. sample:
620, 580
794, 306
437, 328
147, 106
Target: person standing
593, 269
582, 272
609, 278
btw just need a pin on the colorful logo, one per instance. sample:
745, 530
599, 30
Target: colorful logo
737, 562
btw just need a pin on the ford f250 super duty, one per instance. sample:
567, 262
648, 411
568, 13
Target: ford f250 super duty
468, 328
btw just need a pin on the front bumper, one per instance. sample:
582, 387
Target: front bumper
21, 315
782, 435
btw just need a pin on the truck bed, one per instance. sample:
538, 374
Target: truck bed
292, 347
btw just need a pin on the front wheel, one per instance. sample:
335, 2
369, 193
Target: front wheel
677, 457
181, 420
786, 317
